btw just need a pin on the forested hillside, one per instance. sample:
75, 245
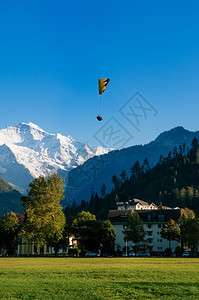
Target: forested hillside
98, 170
174, 181
10, 199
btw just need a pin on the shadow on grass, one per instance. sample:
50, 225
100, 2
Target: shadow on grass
178, 289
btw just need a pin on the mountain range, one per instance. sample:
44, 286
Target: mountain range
98, 170
27, 151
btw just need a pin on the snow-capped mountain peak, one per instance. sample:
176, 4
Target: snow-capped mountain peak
40, 153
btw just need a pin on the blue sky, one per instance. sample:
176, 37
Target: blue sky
53, 52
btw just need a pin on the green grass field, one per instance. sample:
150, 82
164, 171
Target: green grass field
99, 278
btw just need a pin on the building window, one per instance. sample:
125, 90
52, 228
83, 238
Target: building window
149, 226
149, 232
161, 218
159, 226
149, 218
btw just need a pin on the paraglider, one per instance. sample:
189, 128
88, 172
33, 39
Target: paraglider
99, 118
102, 85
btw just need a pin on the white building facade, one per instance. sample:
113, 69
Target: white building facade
154, 220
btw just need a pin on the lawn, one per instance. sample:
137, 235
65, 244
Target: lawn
99, 278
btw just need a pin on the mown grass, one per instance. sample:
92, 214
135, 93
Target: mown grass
99, 278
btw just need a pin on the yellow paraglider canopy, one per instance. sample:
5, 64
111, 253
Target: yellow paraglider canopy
102, 84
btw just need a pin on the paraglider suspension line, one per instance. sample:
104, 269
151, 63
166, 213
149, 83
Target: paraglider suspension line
102, 98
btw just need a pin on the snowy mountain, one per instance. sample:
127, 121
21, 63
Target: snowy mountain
27, 151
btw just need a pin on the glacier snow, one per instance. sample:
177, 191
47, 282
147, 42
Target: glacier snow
39, 152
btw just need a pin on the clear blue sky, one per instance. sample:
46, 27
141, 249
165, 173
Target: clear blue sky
53, 52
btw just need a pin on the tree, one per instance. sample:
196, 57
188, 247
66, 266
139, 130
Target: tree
189, 229
194, 149
9, 229
170, 232
106, 234
146, 165
62, 244
71, 210
136, 169
91, 234
115, 180
44, 219
187, 213
134, 230
103, 189
123, 175
82, 217
84, 229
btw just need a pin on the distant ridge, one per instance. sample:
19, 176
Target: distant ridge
87, 177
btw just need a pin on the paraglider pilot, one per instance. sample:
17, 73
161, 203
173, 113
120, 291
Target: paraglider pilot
99, 118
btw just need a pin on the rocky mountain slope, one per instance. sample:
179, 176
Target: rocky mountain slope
27, 152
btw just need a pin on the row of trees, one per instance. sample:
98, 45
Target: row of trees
93, 235
44, 221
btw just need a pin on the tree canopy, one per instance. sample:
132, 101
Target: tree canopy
171, 232
189, 229
9, 228
44, 219
134, 229
91, 234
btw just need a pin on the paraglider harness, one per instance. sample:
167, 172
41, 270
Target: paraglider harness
99, 118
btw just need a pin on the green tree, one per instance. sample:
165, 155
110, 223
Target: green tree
71, 210
190, 232
84, 229
91, 234
82, 217
146, 165
136, 169
134, 230
106, 235
62, 244
187, 213
194, 149
115, 180
171, 232
123, 175
103, 189
44, 219
9, 229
